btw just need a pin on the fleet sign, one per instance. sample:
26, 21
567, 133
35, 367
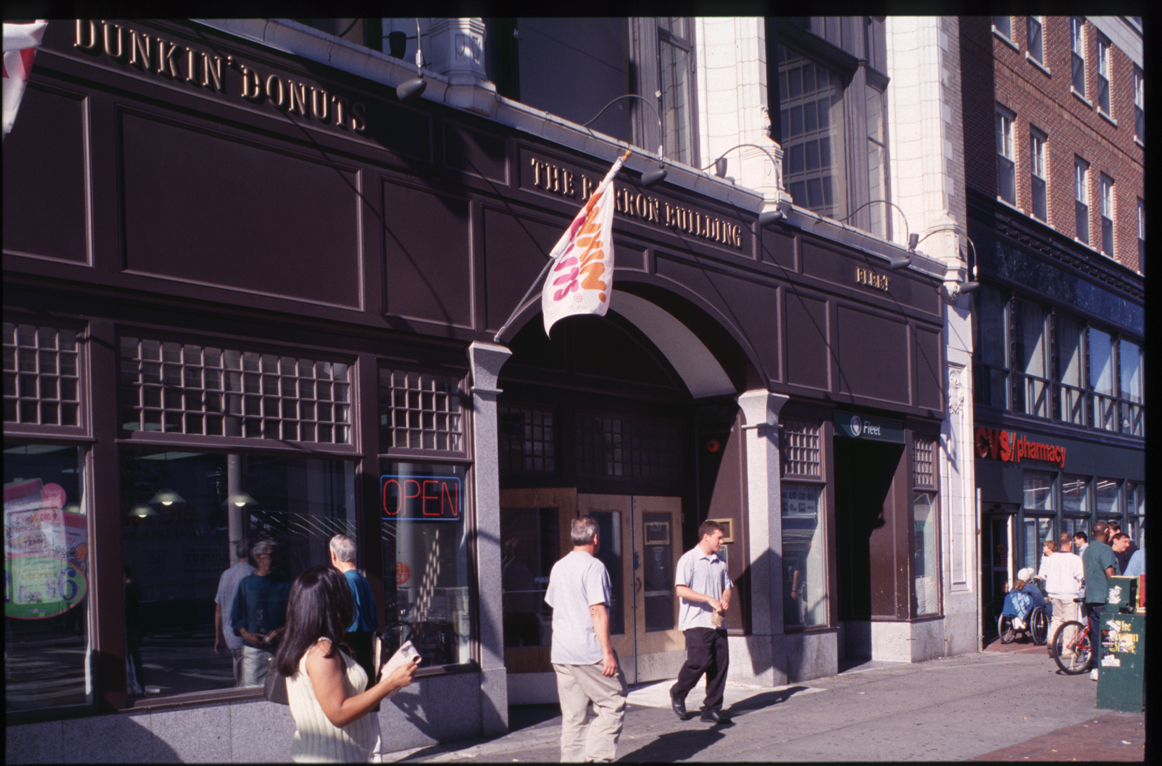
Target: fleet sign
1009, 447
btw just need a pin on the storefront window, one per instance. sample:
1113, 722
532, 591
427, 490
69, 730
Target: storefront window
180, 513
1071, 370
804, 601
1038, 491
1106, 494
1030, 391
425, 560
1102, 377
926, 574
1136, 511
1038, 529
529, 548
46, 578
991, 373
1075, 495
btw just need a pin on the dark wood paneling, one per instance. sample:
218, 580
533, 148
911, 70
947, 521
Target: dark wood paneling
45, 188
205, 207
428, 258
778, 248
750, 308
476, 152
808, 355
930, 379
874, 358
515, 249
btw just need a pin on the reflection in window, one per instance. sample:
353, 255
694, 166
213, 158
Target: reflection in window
425, 567
530, 545
1071, 370
1031, 392
180, 512
811, 120
1101, 380
1130, 359
1075, 495
1136, 511
1038, 489
805, 599
926, 573
991, 330
46, 578
1106, 495
1038, 529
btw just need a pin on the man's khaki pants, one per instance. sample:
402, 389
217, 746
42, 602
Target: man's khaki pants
1063, 611
577, 686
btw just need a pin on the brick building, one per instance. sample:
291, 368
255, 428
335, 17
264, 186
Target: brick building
1054, 149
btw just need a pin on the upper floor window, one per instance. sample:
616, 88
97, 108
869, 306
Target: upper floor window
1103, 75
1107, 215
42, 376
877, 161
811, 122
1081, 198
1036, 44
1070, 337
1130, 367
676, 78
1004, 25
1077, 44
1139, 106
1141, 235
990, 367
1102, 379
1037, 173
1030, 381
1006, 167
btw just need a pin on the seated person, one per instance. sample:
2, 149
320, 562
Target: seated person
1021, 599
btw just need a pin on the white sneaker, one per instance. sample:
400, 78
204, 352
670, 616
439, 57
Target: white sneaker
1093, 675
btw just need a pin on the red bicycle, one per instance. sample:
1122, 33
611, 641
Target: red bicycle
1074, 655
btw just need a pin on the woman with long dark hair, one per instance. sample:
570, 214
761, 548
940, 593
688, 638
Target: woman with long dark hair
329, 693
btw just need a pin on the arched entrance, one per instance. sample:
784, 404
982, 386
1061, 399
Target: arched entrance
605, 420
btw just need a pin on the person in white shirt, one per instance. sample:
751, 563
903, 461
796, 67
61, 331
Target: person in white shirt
582, 654
1064, 576
704, 589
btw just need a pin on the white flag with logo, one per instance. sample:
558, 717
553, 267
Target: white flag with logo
581, 279
20, 44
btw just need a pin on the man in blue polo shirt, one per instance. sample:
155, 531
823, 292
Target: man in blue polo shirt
704, 589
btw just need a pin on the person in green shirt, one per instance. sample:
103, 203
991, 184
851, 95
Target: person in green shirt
1099, 562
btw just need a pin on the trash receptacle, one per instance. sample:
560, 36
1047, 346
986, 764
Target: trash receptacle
1122, 673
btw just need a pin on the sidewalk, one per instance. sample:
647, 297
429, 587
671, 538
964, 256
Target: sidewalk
1008, 705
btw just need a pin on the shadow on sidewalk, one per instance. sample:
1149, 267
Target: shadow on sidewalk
761, 701
674, 746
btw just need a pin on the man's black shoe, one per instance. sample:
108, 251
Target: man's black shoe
715, 717
679, 706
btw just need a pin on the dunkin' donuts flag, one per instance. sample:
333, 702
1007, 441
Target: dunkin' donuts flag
20, 43
581, 278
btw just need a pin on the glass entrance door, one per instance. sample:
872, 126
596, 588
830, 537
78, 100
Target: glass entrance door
641, 540
996, 566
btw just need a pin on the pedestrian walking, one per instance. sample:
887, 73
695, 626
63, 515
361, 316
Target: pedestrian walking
704, 589
361, 632
582, 655
228, 583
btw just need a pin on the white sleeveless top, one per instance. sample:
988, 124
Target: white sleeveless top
317, 740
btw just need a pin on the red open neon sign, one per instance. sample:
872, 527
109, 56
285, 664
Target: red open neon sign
420, 498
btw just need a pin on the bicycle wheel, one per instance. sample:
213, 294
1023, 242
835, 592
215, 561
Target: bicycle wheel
1005, 629
1039, 625
1073, 657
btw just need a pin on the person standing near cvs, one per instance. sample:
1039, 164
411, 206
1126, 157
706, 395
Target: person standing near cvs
704, 589
361, 632
582, 654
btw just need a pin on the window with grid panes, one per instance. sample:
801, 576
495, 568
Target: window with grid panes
811, 124
527, 437
41, 375
629, 447
196, 390
420, 411
804, 546
925, 567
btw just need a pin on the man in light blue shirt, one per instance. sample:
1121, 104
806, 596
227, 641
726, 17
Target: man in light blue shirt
582, 653
1137, 564
704, 589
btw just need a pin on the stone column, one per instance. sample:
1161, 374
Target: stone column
486, 359
760, 411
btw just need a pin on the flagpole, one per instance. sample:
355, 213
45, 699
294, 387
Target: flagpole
541, 277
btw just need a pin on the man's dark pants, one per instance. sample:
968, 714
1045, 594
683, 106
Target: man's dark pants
706, 652
1093, 616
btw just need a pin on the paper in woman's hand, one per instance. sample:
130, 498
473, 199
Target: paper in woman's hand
403, 656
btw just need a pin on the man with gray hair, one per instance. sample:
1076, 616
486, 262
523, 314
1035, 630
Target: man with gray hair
361, 632
582, 654
224, 605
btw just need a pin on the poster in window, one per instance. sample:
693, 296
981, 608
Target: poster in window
44, 550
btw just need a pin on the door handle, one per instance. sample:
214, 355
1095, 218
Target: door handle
637, 581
